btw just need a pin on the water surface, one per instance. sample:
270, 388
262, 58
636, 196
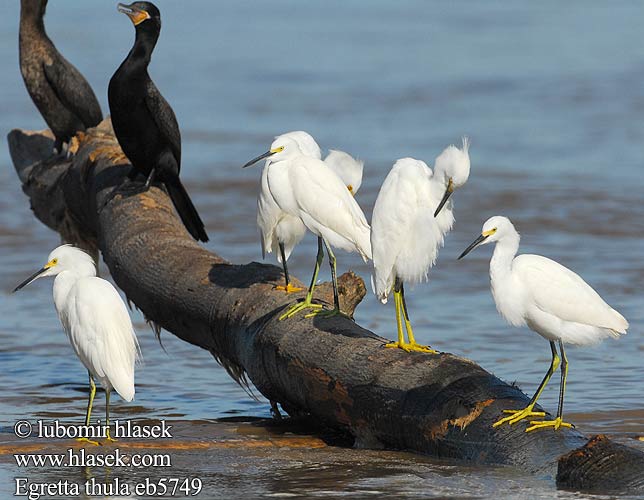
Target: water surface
552, 100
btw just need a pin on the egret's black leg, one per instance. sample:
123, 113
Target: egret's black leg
307, 304
88, 413
557, 422
334, 279
287, 286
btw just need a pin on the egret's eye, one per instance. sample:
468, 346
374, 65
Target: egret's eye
280, 149
54, 261
489, 232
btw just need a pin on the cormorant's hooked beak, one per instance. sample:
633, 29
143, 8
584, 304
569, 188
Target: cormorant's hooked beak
31, 278
448, 192
482, 237
137, 16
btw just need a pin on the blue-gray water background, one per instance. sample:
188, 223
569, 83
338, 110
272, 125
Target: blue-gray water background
550, 94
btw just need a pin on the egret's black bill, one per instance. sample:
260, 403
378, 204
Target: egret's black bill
448, 192
29, 279
260, 157
474, 244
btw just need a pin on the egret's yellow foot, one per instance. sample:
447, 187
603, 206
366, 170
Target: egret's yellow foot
86, 440
325, 313
518, 415
288, 288
296, 308
411, 347
109, 437
541, 424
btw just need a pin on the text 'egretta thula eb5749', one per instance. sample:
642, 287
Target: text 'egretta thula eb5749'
551, 300
411, 216
306, 188
96, 322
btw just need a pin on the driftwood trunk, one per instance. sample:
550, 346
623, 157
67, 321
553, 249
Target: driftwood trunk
441, 405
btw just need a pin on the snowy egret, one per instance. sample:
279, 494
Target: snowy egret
306, 188
553, 301
96, 322
347, 168
411, 217
282, 231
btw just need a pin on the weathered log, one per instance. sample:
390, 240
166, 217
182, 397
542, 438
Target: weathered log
602, 466
332, 368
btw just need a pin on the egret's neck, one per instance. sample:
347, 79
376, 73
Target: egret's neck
504, 253
65, 280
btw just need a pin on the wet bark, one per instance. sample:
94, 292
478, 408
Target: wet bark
339, 372
602, 466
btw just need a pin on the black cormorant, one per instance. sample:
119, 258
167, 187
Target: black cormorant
144, 122
62, 95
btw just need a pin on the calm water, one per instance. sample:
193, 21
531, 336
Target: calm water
550, 95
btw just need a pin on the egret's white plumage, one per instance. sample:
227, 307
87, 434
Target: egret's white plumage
549, 298
553, 301
324, 204
278, 227
308, 189
405, 233
275, 225
94, 318
405, 236
348, 168
411, 216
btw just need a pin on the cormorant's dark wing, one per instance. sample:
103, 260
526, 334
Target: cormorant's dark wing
73, 91
165, 119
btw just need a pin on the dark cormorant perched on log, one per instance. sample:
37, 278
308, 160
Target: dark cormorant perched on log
144, 122
62, 95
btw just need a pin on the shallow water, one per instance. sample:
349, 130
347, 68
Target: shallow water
552, 100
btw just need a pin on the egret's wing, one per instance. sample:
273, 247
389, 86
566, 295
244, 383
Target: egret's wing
73, 91
561, 292
101, 332
390, 221
322, 195
404, 232
165, 119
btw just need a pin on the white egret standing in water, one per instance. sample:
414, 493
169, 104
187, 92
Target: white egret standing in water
96, 322
308, 189
411, 216
551, 300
